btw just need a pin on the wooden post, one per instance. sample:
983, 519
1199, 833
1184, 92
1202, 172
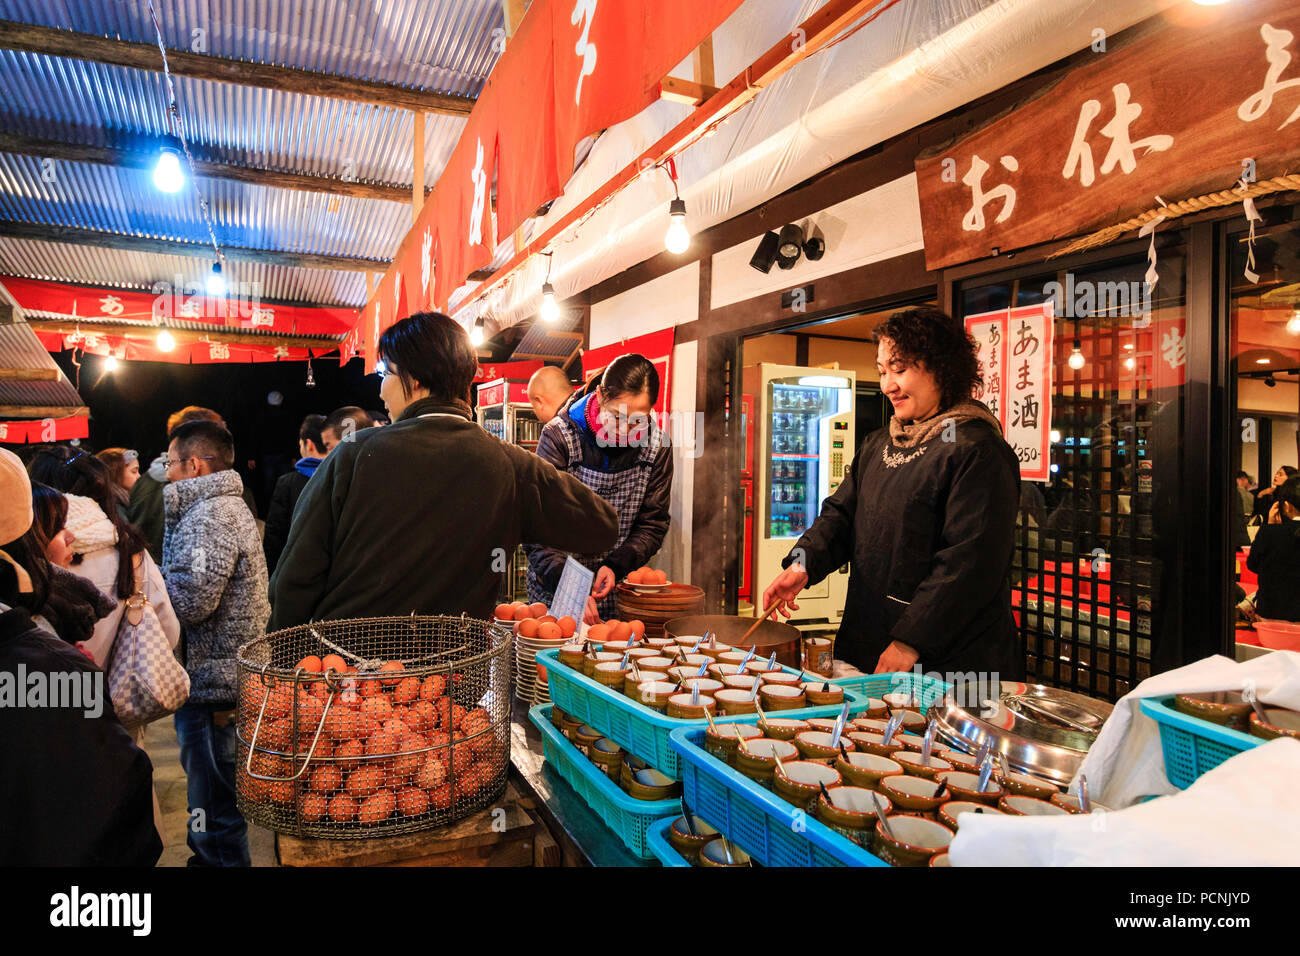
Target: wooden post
513, 11
703, 60
417, 189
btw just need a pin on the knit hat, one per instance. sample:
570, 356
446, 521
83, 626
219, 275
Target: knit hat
15, 498
15, 510
90, 527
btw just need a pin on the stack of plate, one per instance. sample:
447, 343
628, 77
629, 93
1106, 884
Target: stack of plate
530, 680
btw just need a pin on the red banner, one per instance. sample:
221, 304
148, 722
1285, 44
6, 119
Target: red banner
514, 371
45, 430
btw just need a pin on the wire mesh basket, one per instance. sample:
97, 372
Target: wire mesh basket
373, 727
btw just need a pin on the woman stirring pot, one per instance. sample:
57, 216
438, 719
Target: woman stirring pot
607, 438
925, 519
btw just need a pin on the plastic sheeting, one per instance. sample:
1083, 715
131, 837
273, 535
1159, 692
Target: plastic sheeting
916, 62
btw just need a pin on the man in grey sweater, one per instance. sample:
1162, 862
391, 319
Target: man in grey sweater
216, 579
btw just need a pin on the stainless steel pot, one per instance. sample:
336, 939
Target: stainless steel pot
1042, 731
768, 637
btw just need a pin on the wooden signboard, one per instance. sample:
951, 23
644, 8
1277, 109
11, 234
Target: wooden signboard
1174, 111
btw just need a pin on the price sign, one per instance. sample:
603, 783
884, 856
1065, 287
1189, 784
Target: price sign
573, 591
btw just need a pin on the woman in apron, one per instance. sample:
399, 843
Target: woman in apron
607, 438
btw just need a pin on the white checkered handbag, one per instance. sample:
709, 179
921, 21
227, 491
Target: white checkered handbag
145, 680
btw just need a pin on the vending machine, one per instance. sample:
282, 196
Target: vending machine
803, 445
504, 411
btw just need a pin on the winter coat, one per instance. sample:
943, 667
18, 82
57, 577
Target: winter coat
927, 527
96, 559
216, 578
1275, 557
76, 791
422, 516
569, 443
72, 607
288, 488
145, 510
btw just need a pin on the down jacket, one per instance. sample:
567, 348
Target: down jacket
216, 578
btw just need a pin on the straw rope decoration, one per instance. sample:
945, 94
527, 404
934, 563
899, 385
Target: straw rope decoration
1184, 207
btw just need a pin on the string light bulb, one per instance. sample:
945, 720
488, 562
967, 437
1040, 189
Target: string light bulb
216, 281
168, 175
476, 337
110, 363
1076, 360
165, 341
550, 308
1293, 323
678, 238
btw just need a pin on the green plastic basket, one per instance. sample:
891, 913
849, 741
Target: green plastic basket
1192, 746
657, 839
625, 815
642, 730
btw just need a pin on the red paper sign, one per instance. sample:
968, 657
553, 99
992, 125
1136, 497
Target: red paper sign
514, 371
45, 430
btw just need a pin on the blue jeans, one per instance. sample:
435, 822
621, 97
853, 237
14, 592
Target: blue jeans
219, 835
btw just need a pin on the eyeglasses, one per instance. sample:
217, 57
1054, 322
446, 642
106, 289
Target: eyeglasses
180, 461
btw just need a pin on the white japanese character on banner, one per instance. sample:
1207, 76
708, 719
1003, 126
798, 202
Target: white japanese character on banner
1122, 151
189, 309
1174, 348
1279, 58
584, 12
426, 261
281, 352
397, 290
4, 431
218, 350
479, 178
92, 341
111, 305
263, 316
973, 221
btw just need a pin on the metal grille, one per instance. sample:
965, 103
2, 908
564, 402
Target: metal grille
1097, 546
413, 735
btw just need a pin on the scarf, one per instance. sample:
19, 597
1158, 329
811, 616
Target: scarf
74, 605
92, 530
307, 466
918, 433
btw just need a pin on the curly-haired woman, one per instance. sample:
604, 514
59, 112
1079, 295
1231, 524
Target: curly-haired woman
925, 519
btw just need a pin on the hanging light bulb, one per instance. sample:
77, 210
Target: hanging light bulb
110, 363
678, 238
311, 376
216, 281
168, 175
550, 308
165, 341
1130, 363
1076, 360
476, 334
1293, 324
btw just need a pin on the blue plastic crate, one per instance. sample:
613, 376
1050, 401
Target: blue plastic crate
627, 816
657, 839
758, 821
1192, 746
642, 730
928, 690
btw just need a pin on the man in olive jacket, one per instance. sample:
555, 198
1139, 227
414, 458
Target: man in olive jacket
422, 515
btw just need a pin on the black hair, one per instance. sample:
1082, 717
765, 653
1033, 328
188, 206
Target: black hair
1241, 474
629, 374
76, 472
337, 421
938, 343
1288, 493
311, 429
204, 439
49, 515
429, 350
1289, 470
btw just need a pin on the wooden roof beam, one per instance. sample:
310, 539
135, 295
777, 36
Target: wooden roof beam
51, 41
136, 159
171, 247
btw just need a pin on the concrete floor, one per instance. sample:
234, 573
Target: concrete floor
169, 783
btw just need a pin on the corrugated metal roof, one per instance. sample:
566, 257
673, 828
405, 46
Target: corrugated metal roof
441, 45
20, 348
116, 268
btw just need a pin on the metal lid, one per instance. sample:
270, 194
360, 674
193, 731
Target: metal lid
1041, 731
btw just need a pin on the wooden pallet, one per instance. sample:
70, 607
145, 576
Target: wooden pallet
488, 838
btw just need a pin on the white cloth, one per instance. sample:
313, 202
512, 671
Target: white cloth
100, 569
1241, 813
91, 528
1126, 763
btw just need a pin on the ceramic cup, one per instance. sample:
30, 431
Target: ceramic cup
875, 744
851, 812
1226, 708
901, 701
779, 677
721, 741
866, 769
650, 784
963, 786
759, 666
781, 697
1023, 785
722, 671
783, 728
1280, 723
816, 745
950, 813
914, 795
820, 693
744, 682
1029, 807
654, 694
657, 663
757, 758
611, 673
911, 762
707, 685
637, 677
733, 701
1070, 803
598, 657
940, 859
798, 784
606, 755
680, 707
688, 844
911, 841
713, 853
571, 656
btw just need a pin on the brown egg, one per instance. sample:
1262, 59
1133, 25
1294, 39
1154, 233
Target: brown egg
342, 808
528, 627
504, 612
538, 609
568, 626
550, 631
